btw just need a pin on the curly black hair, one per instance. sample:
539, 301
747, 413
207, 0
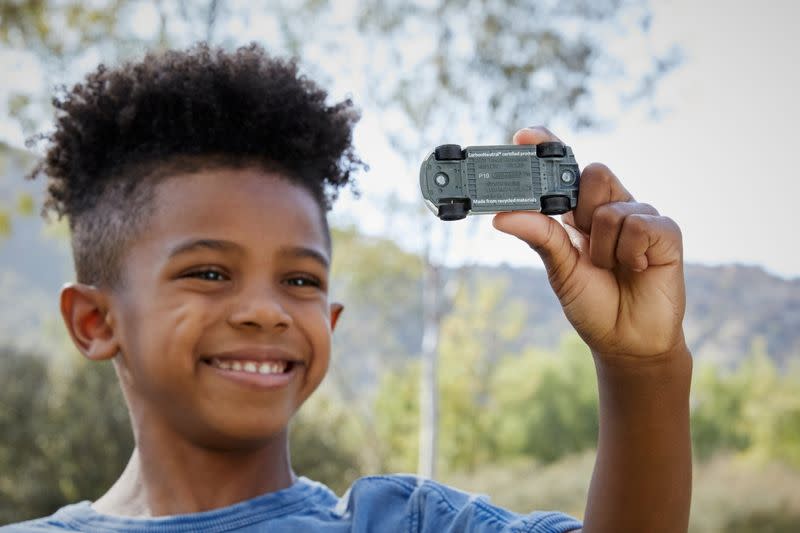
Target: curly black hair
178, 111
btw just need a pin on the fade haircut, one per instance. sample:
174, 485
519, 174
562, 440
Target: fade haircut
122, 130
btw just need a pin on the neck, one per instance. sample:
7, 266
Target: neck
183, 478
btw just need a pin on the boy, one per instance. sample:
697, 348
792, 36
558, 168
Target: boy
196, 186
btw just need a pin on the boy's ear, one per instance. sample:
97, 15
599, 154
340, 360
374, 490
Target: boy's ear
336, 312
84, 310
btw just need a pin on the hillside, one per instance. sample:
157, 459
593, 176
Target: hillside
729, 308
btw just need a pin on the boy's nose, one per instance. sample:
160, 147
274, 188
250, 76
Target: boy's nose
263, 312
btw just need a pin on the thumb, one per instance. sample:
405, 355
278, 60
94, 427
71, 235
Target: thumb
547, 237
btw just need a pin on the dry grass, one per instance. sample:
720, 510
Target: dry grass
731, 494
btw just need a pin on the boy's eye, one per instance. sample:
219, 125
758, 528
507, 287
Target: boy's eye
303, 281
207, 275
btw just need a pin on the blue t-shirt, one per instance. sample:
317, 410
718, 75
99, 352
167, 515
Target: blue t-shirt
401, 503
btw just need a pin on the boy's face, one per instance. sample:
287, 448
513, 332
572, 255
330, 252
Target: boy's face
223, 320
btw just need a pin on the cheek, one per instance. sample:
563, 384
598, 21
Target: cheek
161, 341
189, 319
319, 334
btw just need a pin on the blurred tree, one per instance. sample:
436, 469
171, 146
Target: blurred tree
55, 33
716, 417
546, 404
491, 66
378, 283
782, 520
62, 442
12, 201
328, 443
55, 29
473, 335
90, 440
23, 414
771, 410
753, 409
397, 413
495, 406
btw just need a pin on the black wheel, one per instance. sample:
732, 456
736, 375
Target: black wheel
555, 205
454, 210
551, 149
448, 152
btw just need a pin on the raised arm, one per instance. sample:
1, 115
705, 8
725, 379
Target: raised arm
617, 268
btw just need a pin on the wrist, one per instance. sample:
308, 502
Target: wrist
678, 359
651, 390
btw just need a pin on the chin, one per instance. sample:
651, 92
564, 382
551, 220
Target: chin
244, 433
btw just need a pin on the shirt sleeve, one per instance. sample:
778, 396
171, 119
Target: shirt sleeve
445, 509
417, 505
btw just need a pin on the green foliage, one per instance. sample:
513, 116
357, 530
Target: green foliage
378, 283
493, 406
25, 204
97, 450
61, 443
471, 335
58, 28
326, 443
5, 223
552, 399
376, 268
397, 408
716, 419
23, 411
754, 410
778, 521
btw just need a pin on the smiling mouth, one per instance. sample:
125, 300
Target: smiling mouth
247, 366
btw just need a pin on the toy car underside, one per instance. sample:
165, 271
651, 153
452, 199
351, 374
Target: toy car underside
490, 179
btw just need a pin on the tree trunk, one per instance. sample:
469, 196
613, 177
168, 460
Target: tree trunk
429, 400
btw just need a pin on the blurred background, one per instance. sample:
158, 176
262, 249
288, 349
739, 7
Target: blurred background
453, 358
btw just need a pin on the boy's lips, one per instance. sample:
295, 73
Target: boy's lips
262, 367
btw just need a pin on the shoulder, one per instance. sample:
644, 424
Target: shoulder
410, 503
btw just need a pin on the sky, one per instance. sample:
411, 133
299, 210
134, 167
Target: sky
717, 159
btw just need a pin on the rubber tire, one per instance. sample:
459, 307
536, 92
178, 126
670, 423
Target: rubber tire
453, 211
448, 152
555, 205
550, 149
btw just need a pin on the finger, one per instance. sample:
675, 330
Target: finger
568, 219
547, 237
649, 240
534, 135
579, 240
607, 222
598, 186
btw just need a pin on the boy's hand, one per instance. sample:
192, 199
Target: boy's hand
616, 265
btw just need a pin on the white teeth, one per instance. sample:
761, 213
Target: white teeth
272, 368
252, 367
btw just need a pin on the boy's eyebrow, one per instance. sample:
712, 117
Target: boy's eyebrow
222, 245
212, 244
302, 251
